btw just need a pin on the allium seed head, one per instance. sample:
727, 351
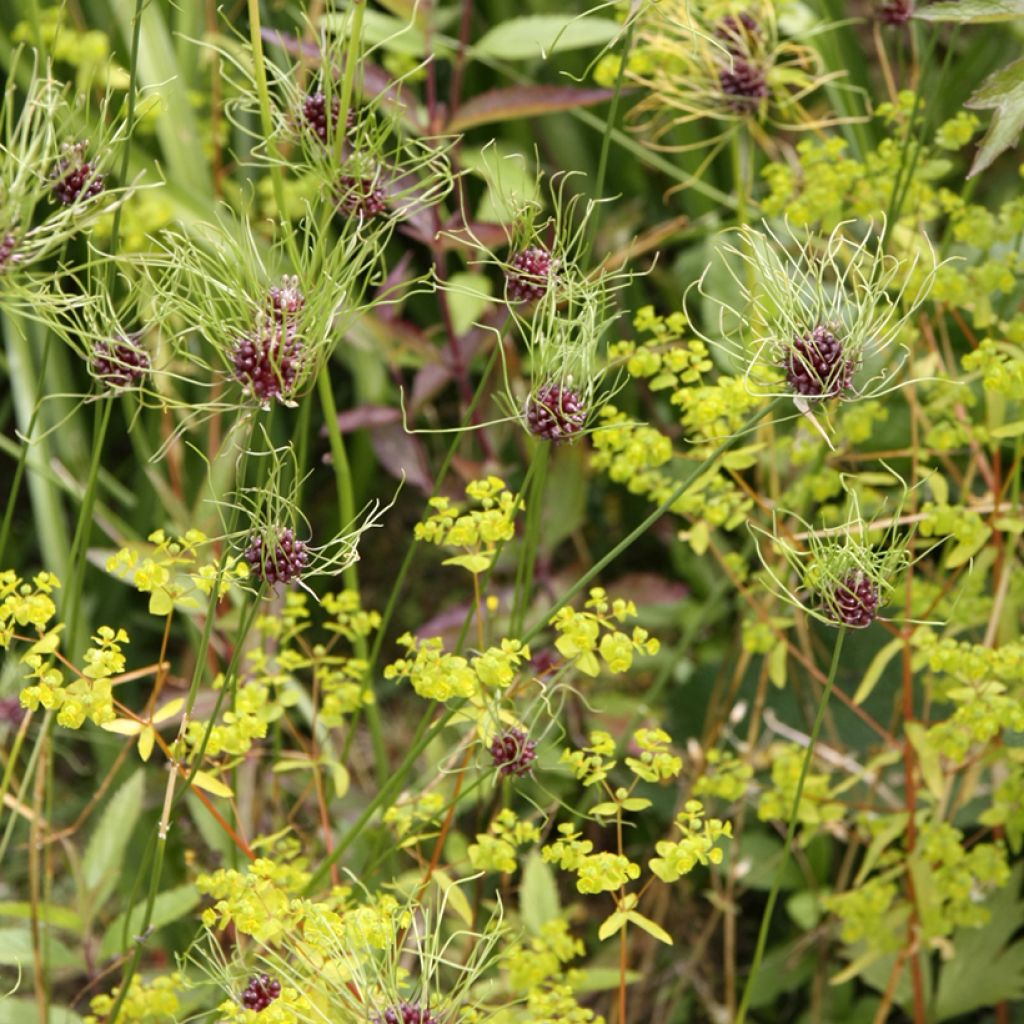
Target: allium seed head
282, 560
409, 1013
286, 301
744, 84
119, 363
895, 12
737, 32
853, 600
314, 113
260, 992
529, 274
8, 244
74, 177
360, 197
555, 413
817, 366
267, 363
513, 753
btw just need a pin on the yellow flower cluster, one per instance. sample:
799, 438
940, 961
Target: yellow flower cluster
678, 857
155, 1001
171, 573
438, 675
478, 531
586, 634
495, 850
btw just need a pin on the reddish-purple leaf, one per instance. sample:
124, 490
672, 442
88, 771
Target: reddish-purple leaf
524, 101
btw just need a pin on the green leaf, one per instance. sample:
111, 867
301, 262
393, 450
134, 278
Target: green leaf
167, 907
473, 563
538, 893
977, 12
59, 917
204, 780
652, 929
874, 671
469, 296
524, 101
986, 968
611, 925
540, 35
1009, 429
105, 851
1003, 93
928, 758
16, 948
25, 1010
968, 549
455, 897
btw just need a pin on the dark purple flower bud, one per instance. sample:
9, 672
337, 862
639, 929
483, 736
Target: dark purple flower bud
8, 245
360, 197
513, 753
544, 660
314, 113
277, 557
738, 32
854, 600
120, 363
745, 86
817, 365
529, 274
267, 363
895, 12
408, 1013
74, 177
260, 992
286, 301
555, 413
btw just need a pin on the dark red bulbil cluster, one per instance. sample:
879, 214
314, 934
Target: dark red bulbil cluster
74, 177
261, 991
267, 363
529, 274
360, 197
738, 32
513, 753
744, 84
314, 113
8, 244
854, 601
282, 563
286, 301
817, 365
555, 413
409, 1013
119, 363
895, 12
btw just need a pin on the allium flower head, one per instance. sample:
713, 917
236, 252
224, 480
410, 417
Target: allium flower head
286, 300
408, 1013
816, 317
845, 574
119, 363
360, 197
74, 176
513, 752
261, 991
8, 248
694, 62
277, 556
895, 12
555, 413
267, 362
529, 274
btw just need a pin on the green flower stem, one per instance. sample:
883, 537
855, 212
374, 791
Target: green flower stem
766, 919
19, 470
346, 518
424, 735
531, 535
267, 123
681, 488
29, 769
77, 560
